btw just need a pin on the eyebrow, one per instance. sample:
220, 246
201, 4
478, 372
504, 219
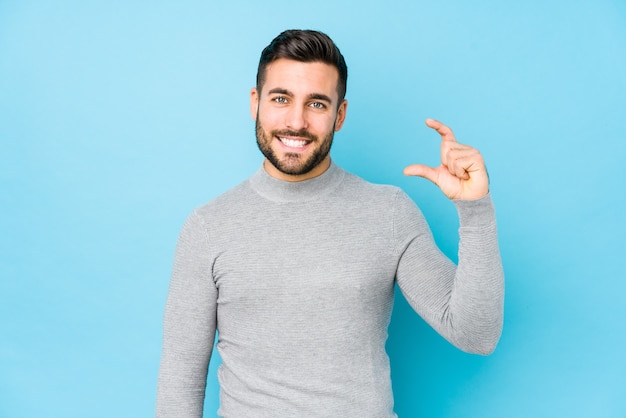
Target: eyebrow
315, 96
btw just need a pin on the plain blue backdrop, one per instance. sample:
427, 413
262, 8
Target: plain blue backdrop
118, 117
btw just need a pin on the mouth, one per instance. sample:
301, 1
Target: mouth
294, 143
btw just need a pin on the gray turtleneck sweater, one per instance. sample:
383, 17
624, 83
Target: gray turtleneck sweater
298, 280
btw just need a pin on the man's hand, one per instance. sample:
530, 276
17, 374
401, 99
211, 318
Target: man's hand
462, 173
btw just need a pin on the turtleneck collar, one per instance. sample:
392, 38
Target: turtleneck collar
300, 191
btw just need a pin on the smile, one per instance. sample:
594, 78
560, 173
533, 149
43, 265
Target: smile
293, 143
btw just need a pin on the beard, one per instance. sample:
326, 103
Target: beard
293, 163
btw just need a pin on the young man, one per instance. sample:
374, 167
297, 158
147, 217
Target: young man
295, 267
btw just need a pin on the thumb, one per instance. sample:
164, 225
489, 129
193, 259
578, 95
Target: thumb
421, 170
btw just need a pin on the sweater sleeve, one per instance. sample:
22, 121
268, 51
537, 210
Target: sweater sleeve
188, 326
463, 303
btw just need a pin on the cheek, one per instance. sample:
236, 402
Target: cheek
326, 125
269, 119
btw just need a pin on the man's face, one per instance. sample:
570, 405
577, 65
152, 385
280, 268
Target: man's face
297, 113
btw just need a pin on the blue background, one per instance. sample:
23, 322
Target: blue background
118, 117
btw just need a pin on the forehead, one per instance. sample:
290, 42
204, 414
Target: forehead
302, 77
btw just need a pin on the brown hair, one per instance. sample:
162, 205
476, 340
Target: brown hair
304, 46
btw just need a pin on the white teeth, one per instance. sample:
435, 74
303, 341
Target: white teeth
293, 143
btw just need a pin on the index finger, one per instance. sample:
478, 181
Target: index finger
445, 132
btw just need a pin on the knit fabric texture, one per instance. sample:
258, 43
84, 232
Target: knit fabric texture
298, 281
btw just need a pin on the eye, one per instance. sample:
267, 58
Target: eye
318, 105
280, 99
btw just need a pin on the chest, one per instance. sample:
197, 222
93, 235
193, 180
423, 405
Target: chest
298, 258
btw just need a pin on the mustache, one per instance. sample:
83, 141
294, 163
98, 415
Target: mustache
302, 133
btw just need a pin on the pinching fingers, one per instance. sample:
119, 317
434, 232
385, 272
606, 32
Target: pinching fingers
450, 151
462, 160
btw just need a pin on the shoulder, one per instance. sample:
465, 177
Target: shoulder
387, 207
375, 193
387, 204
223, 204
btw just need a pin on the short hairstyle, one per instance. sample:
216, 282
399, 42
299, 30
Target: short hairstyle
304, 46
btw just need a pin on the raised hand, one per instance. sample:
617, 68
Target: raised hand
462, 173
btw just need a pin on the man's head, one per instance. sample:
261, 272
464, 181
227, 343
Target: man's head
298, 103
304, 46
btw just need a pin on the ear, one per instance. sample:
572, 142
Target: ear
341, 115
254, 103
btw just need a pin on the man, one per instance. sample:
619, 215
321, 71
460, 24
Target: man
295, 267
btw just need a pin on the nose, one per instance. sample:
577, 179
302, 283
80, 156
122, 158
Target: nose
295, 118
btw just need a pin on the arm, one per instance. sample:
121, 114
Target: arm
464, 303
188, 326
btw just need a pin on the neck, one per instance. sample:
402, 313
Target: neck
278, 190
